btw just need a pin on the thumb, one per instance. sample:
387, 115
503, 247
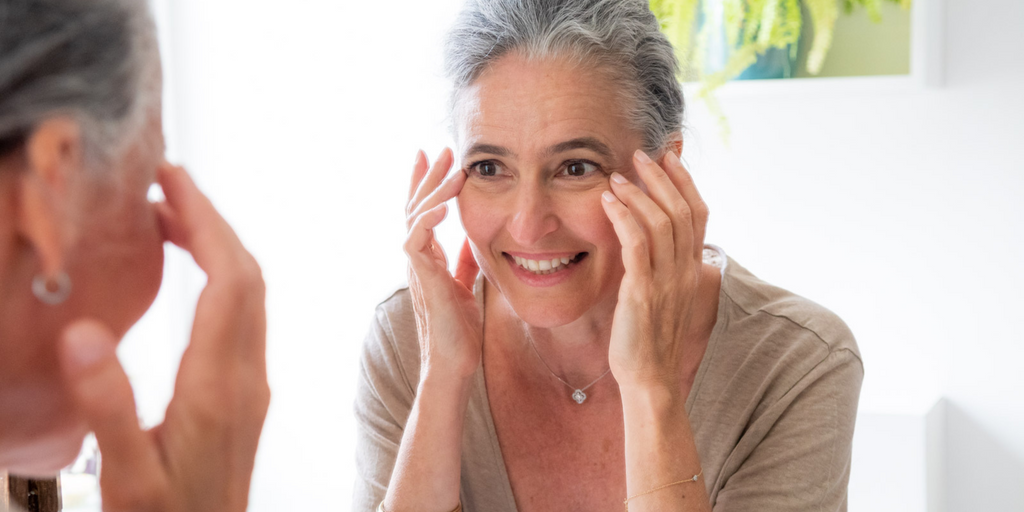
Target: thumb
104, 397
467, 268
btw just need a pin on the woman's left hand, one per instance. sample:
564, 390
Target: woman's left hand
662, 237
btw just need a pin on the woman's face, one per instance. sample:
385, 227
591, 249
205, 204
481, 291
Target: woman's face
538, 140
119, 258
114, 257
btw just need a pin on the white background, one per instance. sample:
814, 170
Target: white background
900, 210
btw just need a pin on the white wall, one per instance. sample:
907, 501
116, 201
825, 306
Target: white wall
301, 120
896, 209
902, 212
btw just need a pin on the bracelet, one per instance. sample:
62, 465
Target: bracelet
691, 479
380, 508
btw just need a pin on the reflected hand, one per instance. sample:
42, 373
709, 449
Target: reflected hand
447, 318
662, 237
201, 457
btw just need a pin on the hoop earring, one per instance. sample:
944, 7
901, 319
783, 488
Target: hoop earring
41, 288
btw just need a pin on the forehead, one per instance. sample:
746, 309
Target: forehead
530, 104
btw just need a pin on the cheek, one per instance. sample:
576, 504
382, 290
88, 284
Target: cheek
583, 216
481, 216
124, 262
143, 261
146, 244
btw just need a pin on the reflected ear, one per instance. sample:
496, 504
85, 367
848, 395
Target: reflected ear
675, 144
53, 154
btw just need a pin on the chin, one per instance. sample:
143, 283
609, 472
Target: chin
545, 316
45, 457
41, 446
548, 307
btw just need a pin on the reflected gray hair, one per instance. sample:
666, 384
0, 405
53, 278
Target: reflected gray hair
93, 60
621, 37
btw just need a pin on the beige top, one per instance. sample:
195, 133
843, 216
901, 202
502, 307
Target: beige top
772, 407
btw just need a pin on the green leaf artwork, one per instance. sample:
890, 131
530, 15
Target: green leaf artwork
750, 29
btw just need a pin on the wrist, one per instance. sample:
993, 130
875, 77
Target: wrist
651, 400
444, 382
456, 367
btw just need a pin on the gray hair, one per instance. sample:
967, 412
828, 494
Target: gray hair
94, 60
619, 36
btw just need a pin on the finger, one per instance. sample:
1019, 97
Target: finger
663, 191
419, 169
467, 268
445, 192
649, 215
231, 315
197, 227
433, 178
688, 189
420, 245
169, 223
131, 464
635, 252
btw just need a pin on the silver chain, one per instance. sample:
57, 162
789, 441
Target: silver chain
574, 388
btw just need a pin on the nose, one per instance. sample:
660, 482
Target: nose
533, 215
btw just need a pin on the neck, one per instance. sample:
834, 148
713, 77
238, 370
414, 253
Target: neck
28, 376
578, 351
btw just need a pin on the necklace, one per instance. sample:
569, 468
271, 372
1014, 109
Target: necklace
578, 394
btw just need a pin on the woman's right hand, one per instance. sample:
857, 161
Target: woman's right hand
448, 319
200, 459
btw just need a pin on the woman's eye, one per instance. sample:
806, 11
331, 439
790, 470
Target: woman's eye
487, 169
579, 169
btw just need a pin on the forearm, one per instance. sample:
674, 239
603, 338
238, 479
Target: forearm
428, 468
660, 450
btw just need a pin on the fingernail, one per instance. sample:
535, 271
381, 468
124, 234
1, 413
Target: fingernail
642, 157
86, 346
608, 196
420, 155
618, 178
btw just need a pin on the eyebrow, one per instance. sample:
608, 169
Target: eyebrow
582, 143
490, 149
579, 143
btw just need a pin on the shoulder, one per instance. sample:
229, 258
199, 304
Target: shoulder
392, 345
767, 314
395, 311
773, 344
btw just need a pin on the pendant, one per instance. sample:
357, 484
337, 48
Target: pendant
579, 396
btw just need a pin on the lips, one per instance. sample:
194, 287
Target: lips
546, 266
542, 265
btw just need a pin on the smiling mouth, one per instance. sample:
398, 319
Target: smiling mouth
544, 267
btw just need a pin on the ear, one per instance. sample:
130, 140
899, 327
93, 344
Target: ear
675, 144
53, 155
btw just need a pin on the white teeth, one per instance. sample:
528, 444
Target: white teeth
542, 266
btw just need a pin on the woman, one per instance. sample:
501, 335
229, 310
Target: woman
81, 259
605, 354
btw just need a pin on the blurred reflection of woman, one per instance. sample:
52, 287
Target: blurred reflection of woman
606, 353
81, 259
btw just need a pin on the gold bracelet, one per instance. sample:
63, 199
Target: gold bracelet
691, 479
458, 508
